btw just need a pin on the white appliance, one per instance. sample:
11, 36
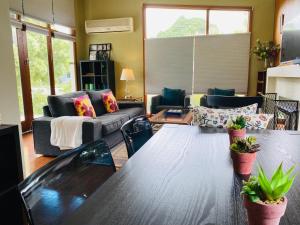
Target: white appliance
109, 25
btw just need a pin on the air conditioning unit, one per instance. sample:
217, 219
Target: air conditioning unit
109, 25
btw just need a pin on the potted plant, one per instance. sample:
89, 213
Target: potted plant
236, 128
243, 154
264, 198
266, 52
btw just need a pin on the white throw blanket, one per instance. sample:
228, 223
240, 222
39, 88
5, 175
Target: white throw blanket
66, 131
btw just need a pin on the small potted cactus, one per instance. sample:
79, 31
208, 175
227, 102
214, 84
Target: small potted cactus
264, 198
243, 153
236, 128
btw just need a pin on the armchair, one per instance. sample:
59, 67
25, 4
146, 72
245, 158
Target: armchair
170, 99
216, 91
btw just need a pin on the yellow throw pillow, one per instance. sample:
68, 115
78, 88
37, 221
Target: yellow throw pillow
110, 102
84, 106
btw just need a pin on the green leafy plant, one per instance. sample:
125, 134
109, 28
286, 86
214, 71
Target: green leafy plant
237, 124
245, 145
266, 51
272, 190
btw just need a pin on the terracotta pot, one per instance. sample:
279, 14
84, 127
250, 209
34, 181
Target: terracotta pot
236, 134
242, 162
264, 214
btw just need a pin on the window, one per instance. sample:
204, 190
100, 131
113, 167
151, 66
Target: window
228, 22
164, 23
37, 77
181, 22
63, 62
39, 71
18, 74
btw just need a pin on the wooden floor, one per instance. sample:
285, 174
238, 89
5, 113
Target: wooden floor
34, 161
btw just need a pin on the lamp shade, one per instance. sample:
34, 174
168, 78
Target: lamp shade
127, 74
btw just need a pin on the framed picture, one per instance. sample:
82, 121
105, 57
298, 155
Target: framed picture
100, 51
93, 55
93, 47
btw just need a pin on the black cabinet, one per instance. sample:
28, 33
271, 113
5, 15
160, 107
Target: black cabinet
261, 82
97, 75
11, 174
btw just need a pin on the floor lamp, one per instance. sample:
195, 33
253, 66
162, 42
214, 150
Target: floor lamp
127, 74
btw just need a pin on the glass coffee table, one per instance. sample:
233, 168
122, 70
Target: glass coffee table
163, 118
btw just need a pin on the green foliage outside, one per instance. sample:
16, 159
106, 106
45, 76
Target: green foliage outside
272, 190
39, 69
186, 27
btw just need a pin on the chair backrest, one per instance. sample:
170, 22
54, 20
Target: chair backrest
217, 101
136, 133
56, 190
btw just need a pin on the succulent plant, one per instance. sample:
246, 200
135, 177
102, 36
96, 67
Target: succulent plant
237, 124
272, 190
245, 145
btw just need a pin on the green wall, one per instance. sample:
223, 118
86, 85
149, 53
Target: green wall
128, 47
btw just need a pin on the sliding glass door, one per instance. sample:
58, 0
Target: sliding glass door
45, 65
18, 74
64, 67
39, 71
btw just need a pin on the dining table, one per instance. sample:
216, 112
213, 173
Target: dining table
184, 176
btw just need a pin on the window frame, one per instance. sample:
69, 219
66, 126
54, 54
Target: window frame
24, 66
195, 7
199, 7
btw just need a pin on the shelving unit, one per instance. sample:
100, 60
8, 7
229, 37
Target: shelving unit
97, 75
11, 172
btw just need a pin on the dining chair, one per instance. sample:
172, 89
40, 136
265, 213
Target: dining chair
136, 132
55, 191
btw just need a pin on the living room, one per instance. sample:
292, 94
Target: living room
149, 112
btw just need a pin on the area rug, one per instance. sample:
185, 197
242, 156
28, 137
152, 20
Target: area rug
119, 154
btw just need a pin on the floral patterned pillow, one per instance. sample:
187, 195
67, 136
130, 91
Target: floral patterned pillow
207, 117
84, 106
110, 102
210, 117
258, 121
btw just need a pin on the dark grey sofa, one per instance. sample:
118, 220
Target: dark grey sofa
105, 125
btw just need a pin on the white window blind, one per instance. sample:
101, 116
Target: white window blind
220, 61
42, 10
168, 63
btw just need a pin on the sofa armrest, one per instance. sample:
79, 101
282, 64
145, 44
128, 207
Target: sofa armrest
203, 101
155, 101
46, 111
41, 128
130, 104
187, 101
91, 130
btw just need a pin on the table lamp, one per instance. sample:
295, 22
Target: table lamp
127, 74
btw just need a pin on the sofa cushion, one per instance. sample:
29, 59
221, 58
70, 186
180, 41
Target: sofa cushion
112, 122
62, 105
173, 96
224, 92
96, 99
110, 102
131, 112
84, 106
